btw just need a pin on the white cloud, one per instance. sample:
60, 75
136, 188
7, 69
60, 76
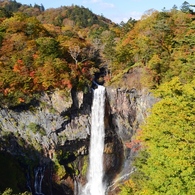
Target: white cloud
100, 3
135, 15
125, 17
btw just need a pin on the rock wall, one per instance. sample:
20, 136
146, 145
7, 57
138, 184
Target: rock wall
128, 109
37, 134
60, 121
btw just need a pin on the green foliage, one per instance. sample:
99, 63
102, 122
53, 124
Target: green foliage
185, 7
83, 17
5, 13
34, 28
167, 162
12, 6
59, 169
126, 188
9, 191
35, 128
85, 166
48, 46
128, 26
162, 43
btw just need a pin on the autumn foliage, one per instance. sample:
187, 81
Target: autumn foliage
34, 57
162, 43
64, 48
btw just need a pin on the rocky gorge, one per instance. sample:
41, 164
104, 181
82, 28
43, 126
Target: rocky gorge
52, 135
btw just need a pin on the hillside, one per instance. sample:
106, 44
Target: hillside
79, 16
48, 42
48, 62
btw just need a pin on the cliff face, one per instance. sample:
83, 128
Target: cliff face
127, 111
50, 133
54, 132
55, 119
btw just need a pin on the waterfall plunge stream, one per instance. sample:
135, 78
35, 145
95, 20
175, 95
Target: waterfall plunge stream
95, 184
39, 174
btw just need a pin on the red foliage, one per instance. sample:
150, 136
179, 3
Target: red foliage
32, 74
84, 70
134, 145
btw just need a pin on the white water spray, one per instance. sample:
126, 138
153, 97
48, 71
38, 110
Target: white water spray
95, 184
39, 174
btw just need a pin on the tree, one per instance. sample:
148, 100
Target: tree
185, 7
126, 27
74, 52
42, 8
81, 55
48, 46
5, 13
174, 8
166, 164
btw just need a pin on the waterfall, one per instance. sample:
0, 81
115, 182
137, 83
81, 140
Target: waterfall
39, 174
95, 175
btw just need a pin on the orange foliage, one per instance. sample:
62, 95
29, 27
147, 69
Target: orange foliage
17, 68
134, 145
21, 100
67, 83
35, 56
6, 91
35, 80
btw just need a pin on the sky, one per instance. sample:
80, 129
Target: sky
116, 10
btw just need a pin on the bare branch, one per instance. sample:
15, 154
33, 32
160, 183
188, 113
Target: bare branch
74, 52
81, 55
87, 53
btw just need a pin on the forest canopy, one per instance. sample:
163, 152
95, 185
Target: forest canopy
67, 47
36, 56
36, 46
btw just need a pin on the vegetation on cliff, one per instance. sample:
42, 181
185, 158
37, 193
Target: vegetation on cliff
163, 43
165, 163
65, 48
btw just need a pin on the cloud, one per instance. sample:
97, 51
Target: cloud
126, 16
101, 3
135, 15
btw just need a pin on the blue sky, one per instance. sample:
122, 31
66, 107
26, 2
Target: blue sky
116, 10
